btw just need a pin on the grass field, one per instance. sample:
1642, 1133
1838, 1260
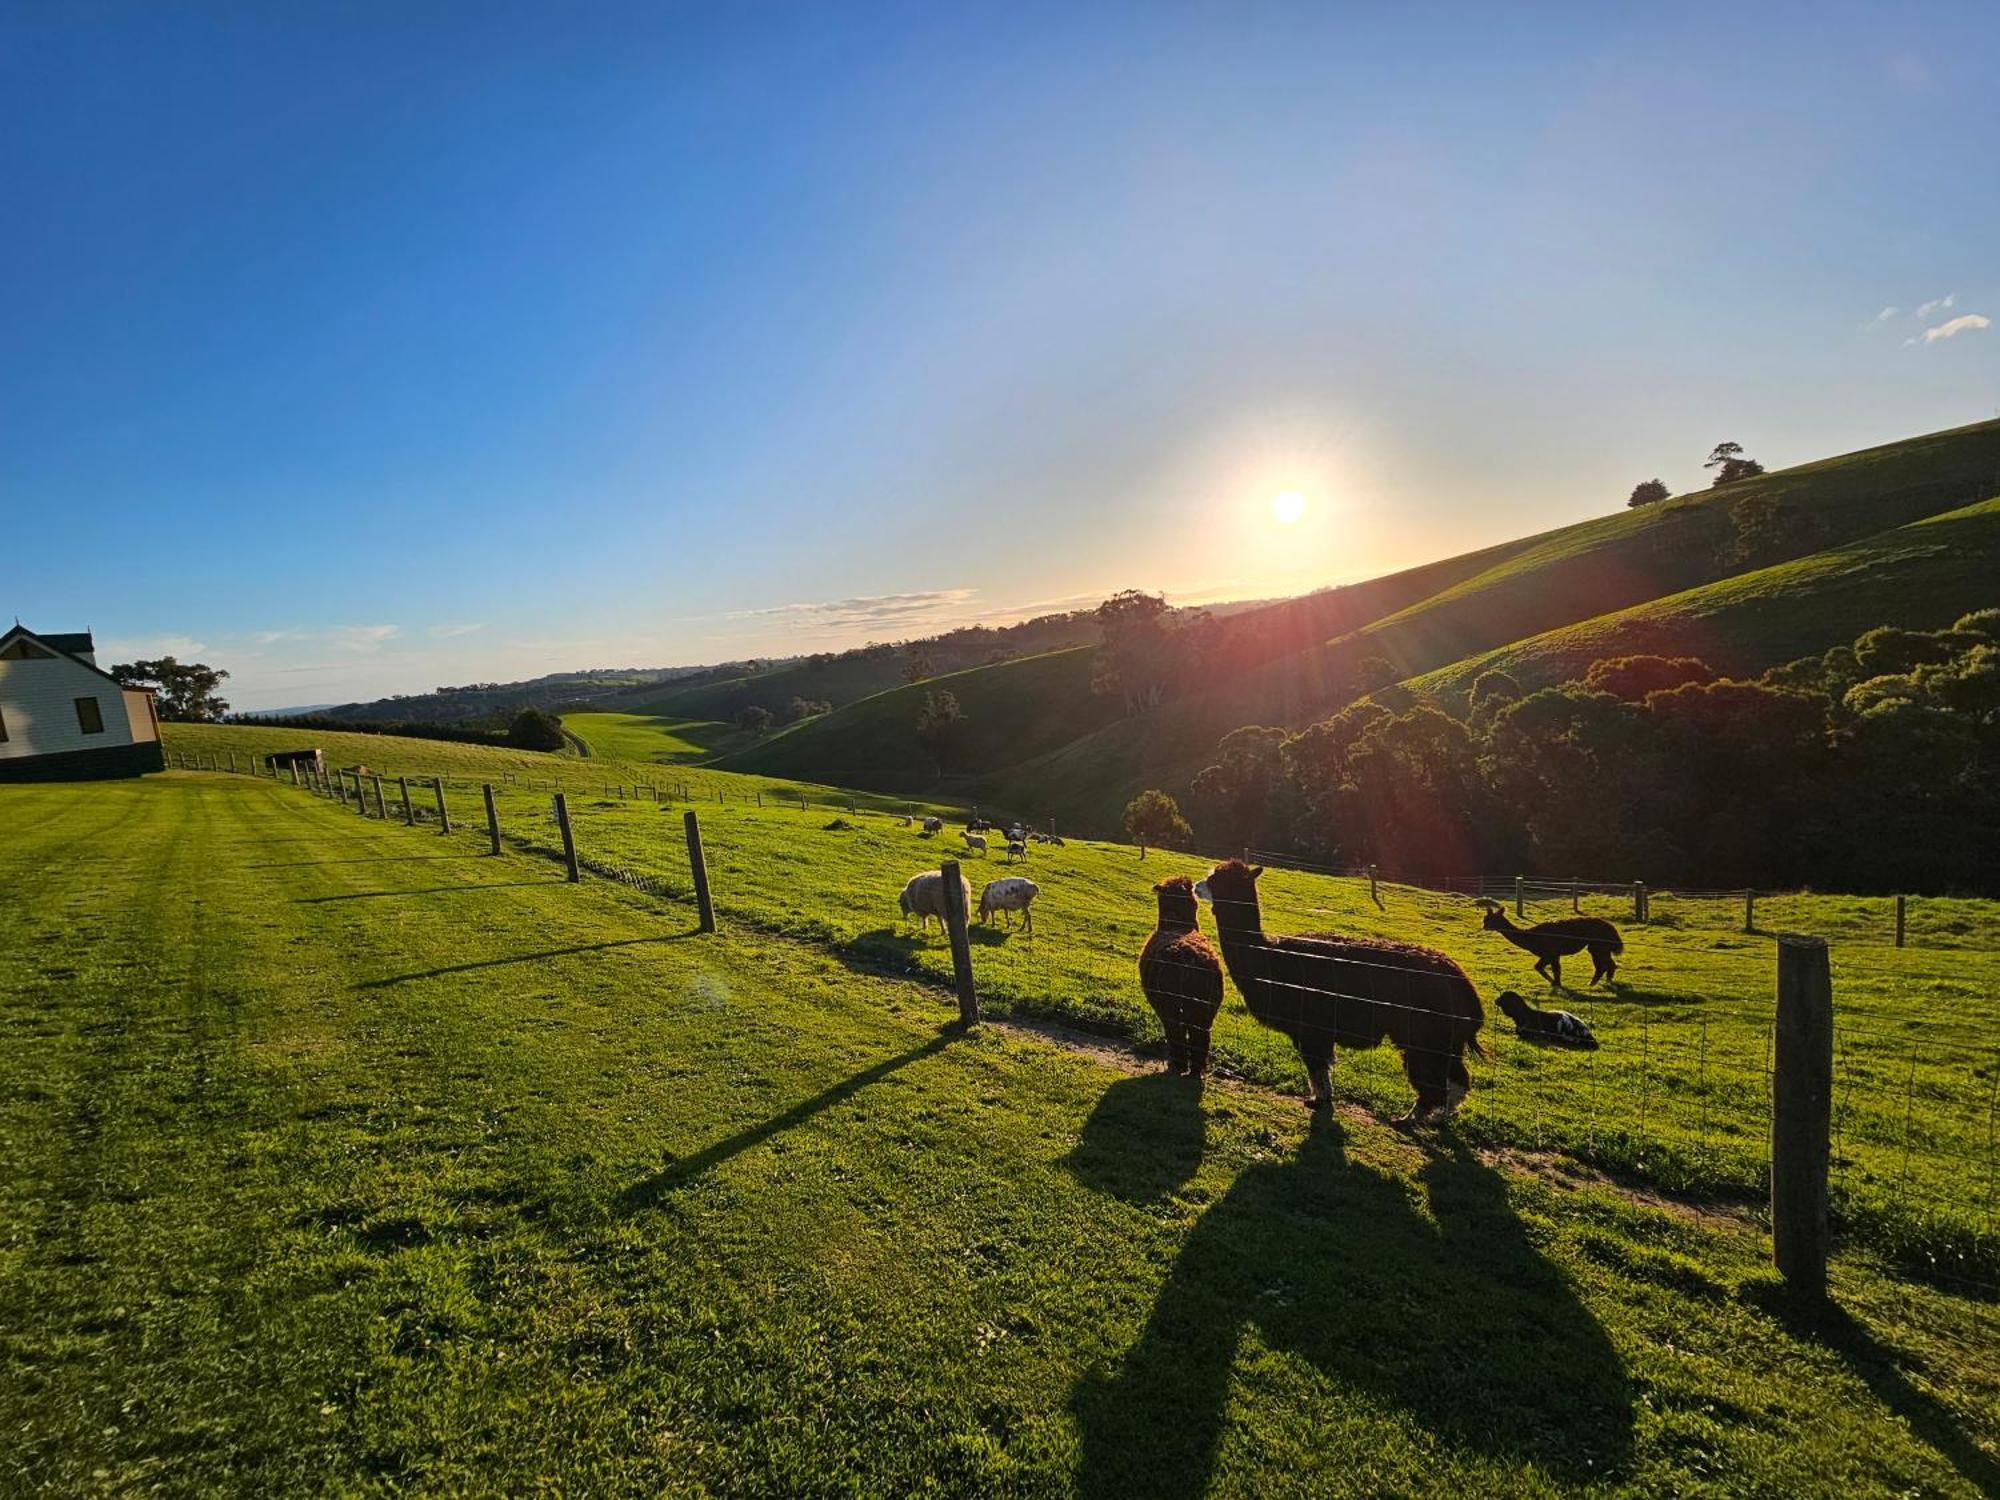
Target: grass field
1921, 576
1676, 1097
650, 739
335, 1157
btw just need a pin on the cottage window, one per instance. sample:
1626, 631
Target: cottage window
89, 717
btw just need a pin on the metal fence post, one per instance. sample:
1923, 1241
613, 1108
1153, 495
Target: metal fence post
568, 838
1801, 1113
961, 942
492, 818
698, 863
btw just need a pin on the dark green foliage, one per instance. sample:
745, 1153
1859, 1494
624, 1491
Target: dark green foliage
1153, 820
455, 734
534, 730
1633, 677
1651, 492
804, 708
187, 691
753, 717
1241, 797
941, 727
1729, 464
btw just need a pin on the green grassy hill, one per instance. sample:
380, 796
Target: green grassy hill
653, 738
1921, 576
338, 1156
1558, 579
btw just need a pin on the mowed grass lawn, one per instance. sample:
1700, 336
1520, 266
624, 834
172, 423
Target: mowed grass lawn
335, 1157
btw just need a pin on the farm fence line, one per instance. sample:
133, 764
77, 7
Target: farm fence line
1676, 1094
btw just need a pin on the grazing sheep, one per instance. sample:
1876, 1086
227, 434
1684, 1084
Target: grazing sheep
907, 820
1551, 942
1325, 991
1553, 1028
1016, 849
974, 841
1013, 893
923, 897
1182, 978
933, 825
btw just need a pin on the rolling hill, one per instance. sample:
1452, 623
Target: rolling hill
1921, 576
1294, 662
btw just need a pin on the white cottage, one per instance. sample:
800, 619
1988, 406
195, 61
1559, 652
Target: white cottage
62, 718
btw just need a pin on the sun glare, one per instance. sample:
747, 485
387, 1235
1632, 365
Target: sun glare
1287, 506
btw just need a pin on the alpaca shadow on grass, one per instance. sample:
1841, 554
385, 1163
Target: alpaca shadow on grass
1144, 1141
1453, 1319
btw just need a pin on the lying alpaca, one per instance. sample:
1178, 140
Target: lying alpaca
1551, 942
1324, 992
1182, 978
1552, 1028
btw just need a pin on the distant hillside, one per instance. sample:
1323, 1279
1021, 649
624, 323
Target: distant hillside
1921, 576
1303, 662
494, 702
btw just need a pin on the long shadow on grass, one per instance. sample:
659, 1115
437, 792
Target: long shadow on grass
645, 1193
1453, 1318
1881, 1369
522, 958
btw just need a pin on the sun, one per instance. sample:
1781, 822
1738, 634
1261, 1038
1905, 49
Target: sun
1287, 506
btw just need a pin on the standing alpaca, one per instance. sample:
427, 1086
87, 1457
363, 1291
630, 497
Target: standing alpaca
1182, 977
1551, 942
1324, 992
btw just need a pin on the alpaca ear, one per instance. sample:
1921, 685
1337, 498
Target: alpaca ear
1255, 871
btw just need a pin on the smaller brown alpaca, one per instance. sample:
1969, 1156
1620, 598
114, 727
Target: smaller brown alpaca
1182, 977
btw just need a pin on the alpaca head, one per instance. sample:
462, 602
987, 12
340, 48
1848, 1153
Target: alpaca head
1177, 902
1495, 919
1231, 888
1512, 1005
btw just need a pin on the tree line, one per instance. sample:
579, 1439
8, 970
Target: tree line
1875, 766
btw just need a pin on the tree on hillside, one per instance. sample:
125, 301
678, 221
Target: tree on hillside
941, 728
753, 717
1632, 677
918, 663
1652, 492
804, 708
1236, 795
1730, 465
1153, 818
1147, 648
534, 730
186, 690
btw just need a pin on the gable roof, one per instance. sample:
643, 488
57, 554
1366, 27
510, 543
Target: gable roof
72, 643
56, 644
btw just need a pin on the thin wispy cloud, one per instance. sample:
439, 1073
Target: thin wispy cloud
1965, 323
149, 647
453, 632
1925, 309
362, 637
272, 637
1886, 314
867, 611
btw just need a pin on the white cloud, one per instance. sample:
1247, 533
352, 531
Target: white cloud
1925, 309
1886, 314
867, 611
361, 637
149, 648
452, 632
272, 637
1956, 326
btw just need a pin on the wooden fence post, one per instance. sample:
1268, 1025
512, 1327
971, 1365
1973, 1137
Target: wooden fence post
492, 818
1518, 911
568, 838
1749, 911
698, 863
1801, 1113
444, 815
232, 763
1639, 903
381, 807
295, 773
1576, 895
409, 812
1371, 886
961, 943
1902, 904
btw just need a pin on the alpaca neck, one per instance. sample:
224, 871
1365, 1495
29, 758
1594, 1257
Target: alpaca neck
1242, 937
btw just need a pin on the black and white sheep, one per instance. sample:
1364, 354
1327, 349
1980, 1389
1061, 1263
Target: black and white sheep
1013, 893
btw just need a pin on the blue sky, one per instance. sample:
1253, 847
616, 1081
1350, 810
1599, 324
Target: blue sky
366, 348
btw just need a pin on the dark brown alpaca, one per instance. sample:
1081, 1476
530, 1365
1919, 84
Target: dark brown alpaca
1552, 942
1325, 992
1182, 977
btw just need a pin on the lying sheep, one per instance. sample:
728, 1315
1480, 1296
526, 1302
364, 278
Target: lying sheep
975, 841
1014, 893
923, 897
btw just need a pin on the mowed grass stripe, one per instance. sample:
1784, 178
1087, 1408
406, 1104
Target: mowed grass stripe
404, 1173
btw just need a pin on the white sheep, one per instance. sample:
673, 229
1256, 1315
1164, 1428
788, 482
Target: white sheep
1014, 893
975, 841
933, 825
923, 897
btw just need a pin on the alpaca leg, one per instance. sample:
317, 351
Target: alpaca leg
1198, 1040
1555, 972
1319, 1068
